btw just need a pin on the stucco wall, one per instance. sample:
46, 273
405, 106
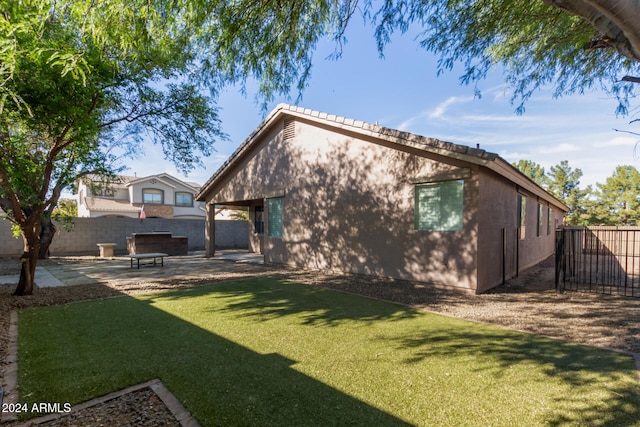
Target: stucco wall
349, 206
87, 232
498, 210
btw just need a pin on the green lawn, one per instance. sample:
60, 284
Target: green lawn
268, 352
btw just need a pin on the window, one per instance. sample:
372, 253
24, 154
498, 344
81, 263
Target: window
439, 206
275, 208
522, 216
102, 189
258, 220
540, 219
184, 199
549, 219
152, 196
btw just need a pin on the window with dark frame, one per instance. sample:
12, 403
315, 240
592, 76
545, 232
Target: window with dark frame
184, 199
258, 220
522, 216
152, 196
540, 219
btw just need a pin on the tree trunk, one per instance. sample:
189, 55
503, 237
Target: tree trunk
29, 261
48, 230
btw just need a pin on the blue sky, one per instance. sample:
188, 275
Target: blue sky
402, 91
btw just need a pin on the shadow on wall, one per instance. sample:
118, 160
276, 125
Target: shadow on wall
349, 206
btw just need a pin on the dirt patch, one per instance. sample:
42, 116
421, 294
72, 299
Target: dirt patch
527, 304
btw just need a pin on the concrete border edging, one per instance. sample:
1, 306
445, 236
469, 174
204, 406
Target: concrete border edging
11, 389
10, 373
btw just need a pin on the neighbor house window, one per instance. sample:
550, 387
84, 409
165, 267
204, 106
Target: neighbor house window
522, 216
275, 208
102, 189
152, 196
439, 206
184, 199
549, 219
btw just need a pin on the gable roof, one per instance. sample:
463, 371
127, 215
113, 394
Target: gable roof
164, 178
395, 137
123, 181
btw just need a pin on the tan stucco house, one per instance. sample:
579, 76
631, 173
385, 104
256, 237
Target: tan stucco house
330, 193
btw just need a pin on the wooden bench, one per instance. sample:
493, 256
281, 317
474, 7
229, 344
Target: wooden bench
155, 256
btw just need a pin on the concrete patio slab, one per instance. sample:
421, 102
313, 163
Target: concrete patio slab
43, 279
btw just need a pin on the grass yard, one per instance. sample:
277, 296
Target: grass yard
273, 353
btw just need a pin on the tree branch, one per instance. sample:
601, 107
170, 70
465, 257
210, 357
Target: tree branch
627, 131
631, 79
616, 29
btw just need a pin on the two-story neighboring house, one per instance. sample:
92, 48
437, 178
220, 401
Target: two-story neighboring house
155, 196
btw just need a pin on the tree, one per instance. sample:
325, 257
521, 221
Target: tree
532, 170
66, 208
82, 82
564, 183
619, 198
572, 45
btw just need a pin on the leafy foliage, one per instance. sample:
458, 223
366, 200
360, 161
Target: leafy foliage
532, 170
616, 202
564, 183
66, 208
619, 198
82, 83
536, 44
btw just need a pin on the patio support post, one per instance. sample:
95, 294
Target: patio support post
210, 230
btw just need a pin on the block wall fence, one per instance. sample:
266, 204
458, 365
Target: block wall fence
82, 239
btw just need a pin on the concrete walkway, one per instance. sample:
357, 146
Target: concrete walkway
43, 279
69, 271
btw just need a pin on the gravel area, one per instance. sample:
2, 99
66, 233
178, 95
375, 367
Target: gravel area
141, 408
527, 303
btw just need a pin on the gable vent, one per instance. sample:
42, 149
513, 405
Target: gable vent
289, 129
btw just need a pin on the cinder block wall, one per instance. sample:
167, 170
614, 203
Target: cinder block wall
87, 232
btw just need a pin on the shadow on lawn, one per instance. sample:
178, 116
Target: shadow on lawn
580, 367
76, 352
79, 351
267, 298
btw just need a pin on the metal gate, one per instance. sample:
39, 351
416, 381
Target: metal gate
598, 259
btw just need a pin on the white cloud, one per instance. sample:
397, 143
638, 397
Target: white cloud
513, 156
438, 113
498, 118
442, 108
622, 140
407, 124
560, 148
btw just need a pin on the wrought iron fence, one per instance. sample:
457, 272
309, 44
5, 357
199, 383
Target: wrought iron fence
598, 259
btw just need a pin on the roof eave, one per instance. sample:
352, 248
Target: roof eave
429, 145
